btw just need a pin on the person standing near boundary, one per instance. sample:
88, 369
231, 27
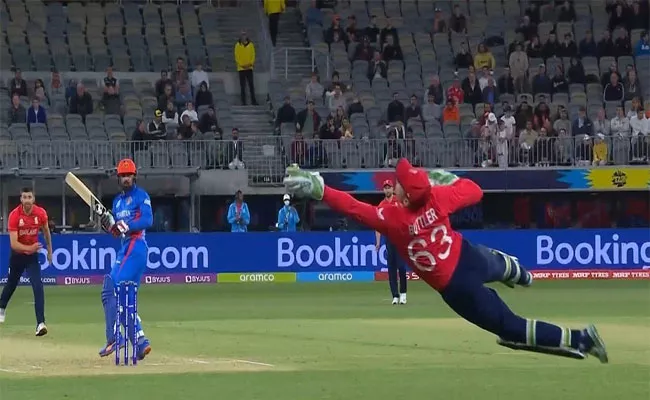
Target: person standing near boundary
25, 221
393, 261
245, 60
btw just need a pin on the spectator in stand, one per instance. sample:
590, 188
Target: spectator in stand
239, 215
502, 139
576, 72
527, 138
314, 90
56, 86
617, 18
483, 58
335, 99
566, 12
542, 116
274, 9
413, 111
388, 31
391, 50
620, 124
588, 46
111, 101
336, 80
162, 83
564, 147
329, 131
435, 90
431, 111
640, 127
490, 93
439, 24
602, 124
180, 74
552, 47
623, 45
372, 31
156, 127
81, 102
190, 111
308, 120
506, 83
314, 16
463, 58
140, 137
203, 96
236, 151
286, 113
535, 49
455, 92
543, 150
509, 121
568, 47
606, 45
36, 113
613, 90
188, 131
335, 30
183, 94
356, 107
582, 125
457, 21
541, 82
17, 113
599, 150
170, 116
451, 112
484, 75
199, 76
638, 18
346, 129
299, 149
395, 110
209, 123
472, 89
166, 97
642, 47
364, 51
527, 29
519, 68
111, 81
17, 85
635, 107
317, 155
39, 91
563, 121
631, 85
245, 60
392, 150
560, 83
351, 29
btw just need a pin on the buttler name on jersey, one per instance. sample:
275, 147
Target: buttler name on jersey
423, 222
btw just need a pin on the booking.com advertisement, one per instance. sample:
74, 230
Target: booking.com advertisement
271, 257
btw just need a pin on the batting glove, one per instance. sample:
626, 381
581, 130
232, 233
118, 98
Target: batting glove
304, 183
107, 221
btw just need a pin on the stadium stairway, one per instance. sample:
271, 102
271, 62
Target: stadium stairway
230, 23
291, 35
252, 120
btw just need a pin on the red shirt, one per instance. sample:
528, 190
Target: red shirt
388, 202
423, 237
456, 93
27, 225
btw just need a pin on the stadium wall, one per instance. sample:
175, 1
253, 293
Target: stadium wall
333, 256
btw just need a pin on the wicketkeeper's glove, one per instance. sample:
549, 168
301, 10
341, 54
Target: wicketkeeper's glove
304, 183
440, 177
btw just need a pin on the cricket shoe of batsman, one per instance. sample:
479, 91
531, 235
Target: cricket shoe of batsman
420, 229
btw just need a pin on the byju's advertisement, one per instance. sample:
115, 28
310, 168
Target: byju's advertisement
331, 256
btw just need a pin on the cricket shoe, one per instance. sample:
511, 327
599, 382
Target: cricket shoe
593, 344
112, 346
553, 351
402, 298
2, 315
395, 301
144, 348
41, 329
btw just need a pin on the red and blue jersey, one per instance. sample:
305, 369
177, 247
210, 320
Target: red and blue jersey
134, 208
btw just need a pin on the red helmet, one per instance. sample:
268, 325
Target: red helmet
126, 167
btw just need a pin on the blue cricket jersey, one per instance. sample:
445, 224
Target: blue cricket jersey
134, 208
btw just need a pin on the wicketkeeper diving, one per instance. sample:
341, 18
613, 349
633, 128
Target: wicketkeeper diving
420, 229
130, 217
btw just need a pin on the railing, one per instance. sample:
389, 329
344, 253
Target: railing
284, 59
266, 156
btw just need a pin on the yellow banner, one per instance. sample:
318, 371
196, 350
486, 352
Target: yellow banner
623, 178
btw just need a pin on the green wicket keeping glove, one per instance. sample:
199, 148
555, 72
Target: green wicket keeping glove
304, 183
440, 177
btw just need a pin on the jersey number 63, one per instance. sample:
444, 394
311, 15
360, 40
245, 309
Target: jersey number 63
422, 257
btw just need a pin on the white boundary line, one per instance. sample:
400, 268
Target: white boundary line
254, 363
12, 371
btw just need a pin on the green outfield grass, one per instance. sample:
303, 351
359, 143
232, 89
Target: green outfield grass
322, 341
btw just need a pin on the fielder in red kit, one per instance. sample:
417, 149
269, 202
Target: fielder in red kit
24, 224
420, 229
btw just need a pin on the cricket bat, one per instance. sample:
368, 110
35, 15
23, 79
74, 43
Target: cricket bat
86, 194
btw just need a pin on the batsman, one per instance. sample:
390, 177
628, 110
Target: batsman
419, 228
130, 217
